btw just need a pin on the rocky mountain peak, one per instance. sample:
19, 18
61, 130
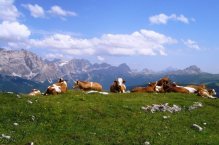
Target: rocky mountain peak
193, 69
124, 67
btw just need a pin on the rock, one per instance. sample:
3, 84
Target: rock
146, 143
197, 127
165, 117
6, 136
30, 102
162, 108
195, 106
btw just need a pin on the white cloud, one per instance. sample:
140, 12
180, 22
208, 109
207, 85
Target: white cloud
13, 31
54, 55
35, 10
8, 12
159, 19
163, 19
182, 19
58, 11
100, 58
191, 44
143, 42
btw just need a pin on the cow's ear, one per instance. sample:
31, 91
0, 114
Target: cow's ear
77, 82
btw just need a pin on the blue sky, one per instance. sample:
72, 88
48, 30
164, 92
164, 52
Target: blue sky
153, 34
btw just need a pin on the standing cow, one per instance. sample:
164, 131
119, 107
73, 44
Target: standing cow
87, 86
118, 86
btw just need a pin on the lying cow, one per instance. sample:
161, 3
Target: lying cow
118, 86
34, 92
178, 89
87, 86
150, 88
207, 93
197, 87
57, 88
163, 81
191, 88
163, 85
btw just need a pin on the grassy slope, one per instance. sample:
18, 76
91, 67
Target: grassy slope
79, 118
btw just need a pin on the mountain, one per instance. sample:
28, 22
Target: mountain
19, 85
28, 68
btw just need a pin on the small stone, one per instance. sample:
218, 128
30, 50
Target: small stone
15, 124
33, 117
165, 117
30, 102
6, 136
199, 128
18, 96
146, 143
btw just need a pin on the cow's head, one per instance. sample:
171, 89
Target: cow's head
61, 80
120, 85
163, 81
212, 92
75, 85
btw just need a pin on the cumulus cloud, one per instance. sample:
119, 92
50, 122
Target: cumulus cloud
54, 55
100, 58
163, 18
13, 31
58, 11
8, 12
143, 42
35, 10
191, 44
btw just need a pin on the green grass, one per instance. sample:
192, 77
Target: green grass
114, 119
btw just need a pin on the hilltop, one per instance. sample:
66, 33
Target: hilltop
80, 118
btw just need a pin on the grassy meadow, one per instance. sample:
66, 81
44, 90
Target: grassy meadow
114, 119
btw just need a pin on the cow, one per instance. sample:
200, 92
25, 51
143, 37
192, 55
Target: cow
118, 86
87, 86
163, 81
60, 87
150, 88
175, 88
163, 84
207, 93
197, 87
34, 92
190, 88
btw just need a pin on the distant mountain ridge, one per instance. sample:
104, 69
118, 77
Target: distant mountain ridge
28, 66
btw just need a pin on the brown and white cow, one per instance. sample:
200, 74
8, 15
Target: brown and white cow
118, 86
197, 87
163, 84
34, 92
178, 89
150, 88
57, 88
87, 86
207, 93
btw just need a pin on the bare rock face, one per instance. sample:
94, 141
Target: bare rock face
28, 65
20, 63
